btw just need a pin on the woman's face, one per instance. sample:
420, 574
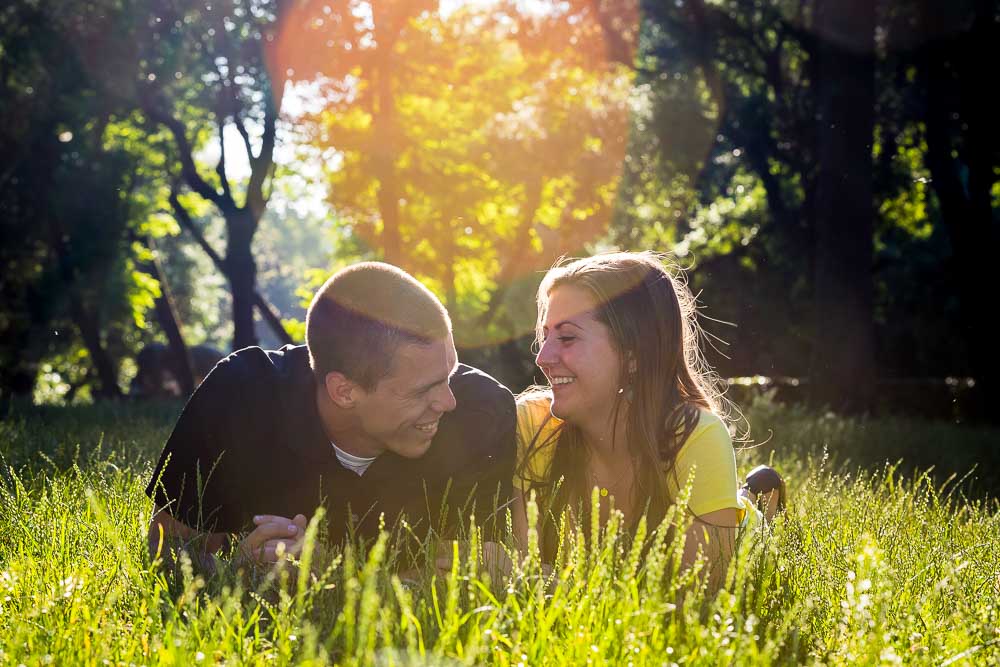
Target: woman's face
579, 358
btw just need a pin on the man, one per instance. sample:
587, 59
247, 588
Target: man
374, 415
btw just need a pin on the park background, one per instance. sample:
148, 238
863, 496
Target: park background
178, 177
188, 173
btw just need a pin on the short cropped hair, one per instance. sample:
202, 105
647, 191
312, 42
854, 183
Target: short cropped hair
359, 318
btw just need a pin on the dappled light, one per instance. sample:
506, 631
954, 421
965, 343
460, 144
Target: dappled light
499, 332
470, 144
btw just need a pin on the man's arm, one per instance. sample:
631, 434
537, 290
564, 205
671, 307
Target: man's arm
167, 537
193, 486
494, 493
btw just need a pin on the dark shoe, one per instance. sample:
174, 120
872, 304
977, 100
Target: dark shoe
768, 489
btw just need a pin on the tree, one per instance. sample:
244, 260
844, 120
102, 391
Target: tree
789, 94
204, 68
842, 370
80, 196
962, 155
65, 203
470, 170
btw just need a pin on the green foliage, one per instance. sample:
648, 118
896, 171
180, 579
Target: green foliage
495, 166
865, 568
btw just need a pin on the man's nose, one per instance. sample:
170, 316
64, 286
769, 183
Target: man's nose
445, 400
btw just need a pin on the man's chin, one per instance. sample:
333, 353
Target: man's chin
413, 449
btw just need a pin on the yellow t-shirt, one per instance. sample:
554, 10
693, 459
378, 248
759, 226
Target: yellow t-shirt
708, 451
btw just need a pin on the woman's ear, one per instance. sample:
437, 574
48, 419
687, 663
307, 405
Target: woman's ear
632, 365
341, 390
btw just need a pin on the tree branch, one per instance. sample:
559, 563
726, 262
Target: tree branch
267, 311
184, 220
261, 167
242, 129
186, 153
220, 168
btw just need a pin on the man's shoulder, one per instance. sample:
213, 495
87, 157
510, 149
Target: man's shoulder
261, 366
477, 390
483, 417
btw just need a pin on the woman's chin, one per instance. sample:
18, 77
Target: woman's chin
560, 410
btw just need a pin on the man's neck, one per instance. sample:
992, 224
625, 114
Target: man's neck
342, 428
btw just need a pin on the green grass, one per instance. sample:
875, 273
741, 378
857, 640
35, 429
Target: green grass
871, 567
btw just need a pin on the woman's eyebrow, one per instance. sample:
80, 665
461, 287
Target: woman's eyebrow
567, 322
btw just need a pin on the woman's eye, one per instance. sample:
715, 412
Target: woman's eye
566, 339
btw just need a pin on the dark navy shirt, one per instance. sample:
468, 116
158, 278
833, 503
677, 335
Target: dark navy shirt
250, 441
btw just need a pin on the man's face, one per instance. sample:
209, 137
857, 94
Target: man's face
401, 413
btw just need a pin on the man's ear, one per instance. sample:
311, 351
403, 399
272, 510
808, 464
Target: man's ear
341, 390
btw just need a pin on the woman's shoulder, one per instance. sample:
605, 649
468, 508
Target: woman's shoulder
534, 406
709, 420
709, 432
532, 398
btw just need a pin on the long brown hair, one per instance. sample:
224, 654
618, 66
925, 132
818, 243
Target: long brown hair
650, 314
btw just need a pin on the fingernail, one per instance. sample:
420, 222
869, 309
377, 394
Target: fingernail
292, 528
256, 518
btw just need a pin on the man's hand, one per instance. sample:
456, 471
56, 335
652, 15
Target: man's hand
273, 533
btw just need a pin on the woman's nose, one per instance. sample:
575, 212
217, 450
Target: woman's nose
546, 355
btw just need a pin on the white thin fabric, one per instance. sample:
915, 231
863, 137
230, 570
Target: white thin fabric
356, 464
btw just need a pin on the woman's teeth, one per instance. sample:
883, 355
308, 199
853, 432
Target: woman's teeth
561, 380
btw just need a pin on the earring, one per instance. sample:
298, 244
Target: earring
627, 391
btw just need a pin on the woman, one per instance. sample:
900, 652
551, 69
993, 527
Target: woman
630, 407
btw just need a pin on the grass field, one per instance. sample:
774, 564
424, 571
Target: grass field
872, 564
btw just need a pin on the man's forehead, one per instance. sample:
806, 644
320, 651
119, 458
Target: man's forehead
414, 363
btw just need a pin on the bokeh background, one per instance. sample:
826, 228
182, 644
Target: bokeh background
177, 177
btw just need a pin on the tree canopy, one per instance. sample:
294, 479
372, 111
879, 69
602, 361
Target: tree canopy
827, 171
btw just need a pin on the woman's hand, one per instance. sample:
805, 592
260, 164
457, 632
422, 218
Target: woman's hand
495, 560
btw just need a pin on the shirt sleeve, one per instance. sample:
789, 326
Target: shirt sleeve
479, 459
709, 453
532, 463
193, 479
493, 488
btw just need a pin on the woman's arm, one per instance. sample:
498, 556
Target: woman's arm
714, 535
519, 516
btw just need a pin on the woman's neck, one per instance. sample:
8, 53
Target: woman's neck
606, 441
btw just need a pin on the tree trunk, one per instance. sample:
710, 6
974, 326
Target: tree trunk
385, 146
515, 256
90, 331
166, 317
388, 194
241, 269
267, 312
842, 368
981, 147
959, 145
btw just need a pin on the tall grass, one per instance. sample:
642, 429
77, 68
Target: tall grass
866, 567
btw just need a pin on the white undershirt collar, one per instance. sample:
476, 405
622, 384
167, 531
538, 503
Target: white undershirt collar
356, 464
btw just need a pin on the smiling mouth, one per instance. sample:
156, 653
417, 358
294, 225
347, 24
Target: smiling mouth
562, 380
429, 427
